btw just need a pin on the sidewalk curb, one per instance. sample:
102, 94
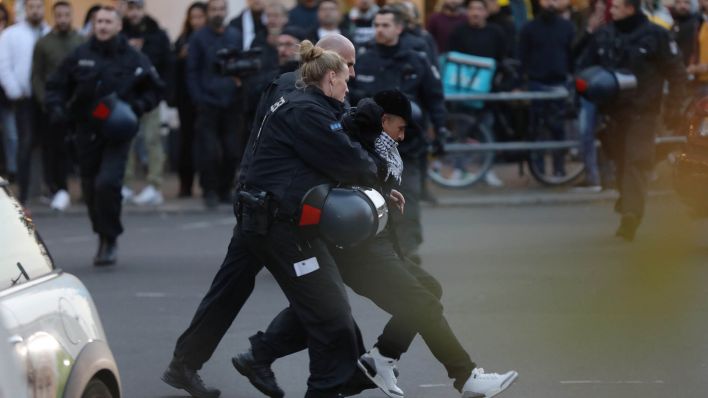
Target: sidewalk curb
472, 201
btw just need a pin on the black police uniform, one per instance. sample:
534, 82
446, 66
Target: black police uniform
397, 67
91, 72
398, 286
302, 145
646, 50
235, 279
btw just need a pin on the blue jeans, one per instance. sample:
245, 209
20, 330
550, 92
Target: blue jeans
9, 138
588, 122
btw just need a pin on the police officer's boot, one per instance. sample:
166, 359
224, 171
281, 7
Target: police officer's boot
628, 227
178, 375
107, 252
258, 373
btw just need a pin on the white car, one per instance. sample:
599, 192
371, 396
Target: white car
51, 326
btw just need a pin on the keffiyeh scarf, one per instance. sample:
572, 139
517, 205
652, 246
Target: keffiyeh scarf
387, 148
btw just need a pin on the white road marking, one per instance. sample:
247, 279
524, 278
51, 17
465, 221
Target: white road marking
150, 295
196, 225
612, 382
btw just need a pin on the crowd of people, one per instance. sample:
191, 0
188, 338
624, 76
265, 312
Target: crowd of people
266, 119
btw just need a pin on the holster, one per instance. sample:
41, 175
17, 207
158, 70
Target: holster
254, 211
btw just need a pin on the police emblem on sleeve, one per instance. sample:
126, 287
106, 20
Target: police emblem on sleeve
336, 126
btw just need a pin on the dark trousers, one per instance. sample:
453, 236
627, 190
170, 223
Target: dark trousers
185, 163
231, 287
631, 146
55, 158
399, 287
26, 112
102, 168
548, 115
219, 133
319, 300
407, 230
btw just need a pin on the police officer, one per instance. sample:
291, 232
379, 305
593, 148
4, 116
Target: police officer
374, 270
387, 64
300, 145
235, 279
103, 86
634, 44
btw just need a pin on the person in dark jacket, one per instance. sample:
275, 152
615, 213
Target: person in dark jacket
401, 288
302, 145
329, 20
304, 14
235, 279
685, 29
360, 20
143, 33
194, 21
502, 18
387, 64
545, 51
219, 126
633, 43
49, 52
105, 66
477, 36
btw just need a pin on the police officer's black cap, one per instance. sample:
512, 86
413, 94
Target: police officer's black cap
295, 32
394, 102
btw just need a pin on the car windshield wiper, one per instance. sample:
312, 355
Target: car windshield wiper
23, 273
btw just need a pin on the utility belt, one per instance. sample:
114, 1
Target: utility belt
257, 210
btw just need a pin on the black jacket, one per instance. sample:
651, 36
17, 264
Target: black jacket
545, 48
280, 87
302, 145
206, 86
649, 52
685, 31
381, 68
96, 69
156, 45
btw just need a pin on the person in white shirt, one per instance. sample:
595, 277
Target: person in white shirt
16, 49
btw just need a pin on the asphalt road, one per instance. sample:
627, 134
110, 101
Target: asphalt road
547, 291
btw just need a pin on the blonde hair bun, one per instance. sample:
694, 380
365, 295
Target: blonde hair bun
308, 51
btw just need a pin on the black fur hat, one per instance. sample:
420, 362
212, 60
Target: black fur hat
394, 102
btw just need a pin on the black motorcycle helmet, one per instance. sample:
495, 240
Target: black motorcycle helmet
117, 121
343, 216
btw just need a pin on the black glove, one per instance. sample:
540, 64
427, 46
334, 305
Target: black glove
437, 146
58, 117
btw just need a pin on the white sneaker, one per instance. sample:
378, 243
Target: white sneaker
149, 196
61, 200
127, 194
381, 371
487, 385
491, 178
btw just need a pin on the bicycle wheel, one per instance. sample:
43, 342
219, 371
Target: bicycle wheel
557, 166
462, 169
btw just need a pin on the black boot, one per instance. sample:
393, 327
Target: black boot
358, 383
258, 373
107, 252
628, 227
178, 375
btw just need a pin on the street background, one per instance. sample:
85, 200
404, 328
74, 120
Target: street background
545, 290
